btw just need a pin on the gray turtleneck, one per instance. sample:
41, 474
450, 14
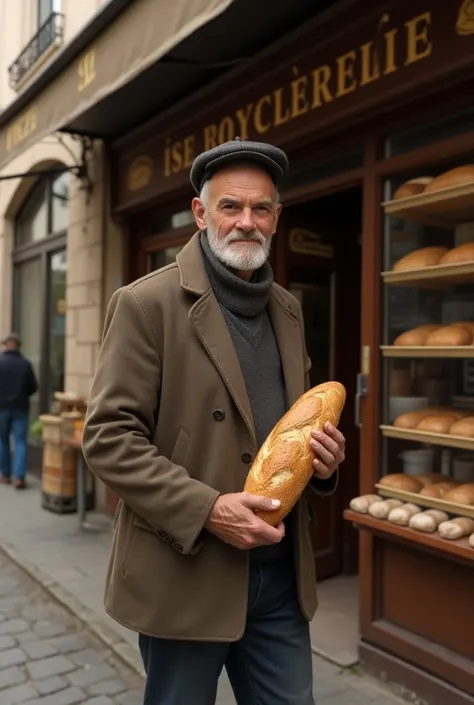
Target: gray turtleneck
243, 305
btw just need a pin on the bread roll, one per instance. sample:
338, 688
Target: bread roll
381, 510
439, 490
454, 177
424, 257
399, 481
402, 515
462, 253
284, 464
467, 325
416, 336
361, 504
463, 494
440, 423
429, 480
427, 522
411, 419
456, 528
471, 540
412, 187
450, 335
463, 427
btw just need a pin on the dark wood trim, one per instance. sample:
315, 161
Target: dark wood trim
323, 187
423, 684
170, 238
437, 153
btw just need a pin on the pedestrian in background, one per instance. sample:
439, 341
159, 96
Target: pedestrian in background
17, 384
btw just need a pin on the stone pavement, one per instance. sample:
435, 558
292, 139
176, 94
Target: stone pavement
41, 641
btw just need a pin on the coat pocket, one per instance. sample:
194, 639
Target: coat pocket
178, 455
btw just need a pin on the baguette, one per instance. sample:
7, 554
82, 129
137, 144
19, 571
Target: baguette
284, 464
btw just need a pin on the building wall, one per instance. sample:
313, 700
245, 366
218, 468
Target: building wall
92, 274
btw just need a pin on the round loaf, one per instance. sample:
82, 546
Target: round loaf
463, 494
450, 335
412, 187
439, 490
284, 464
424, 257
462, 253
416, 336
399, 481
454, 177
440, 423
464, 427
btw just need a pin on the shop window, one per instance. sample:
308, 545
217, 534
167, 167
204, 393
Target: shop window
304, 174
40, 271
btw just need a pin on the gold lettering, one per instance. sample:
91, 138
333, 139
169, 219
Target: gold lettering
176, 157
243, 116
418, 44
321, 91
226, 130
86, 70
280, 117
370, 70
346, 82
210, 137
167, 168
260, 126
22, 128
189, 151
390, 65
299, 100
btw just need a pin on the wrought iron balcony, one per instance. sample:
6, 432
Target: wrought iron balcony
48, 37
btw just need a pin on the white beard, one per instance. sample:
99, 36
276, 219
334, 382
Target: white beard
241, 257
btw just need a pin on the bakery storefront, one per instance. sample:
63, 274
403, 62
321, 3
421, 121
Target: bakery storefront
374, 108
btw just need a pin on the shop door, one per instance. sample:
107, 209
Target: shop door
324, 273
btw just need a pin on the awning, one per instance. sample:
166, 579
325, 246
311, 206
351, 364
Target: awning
144, 32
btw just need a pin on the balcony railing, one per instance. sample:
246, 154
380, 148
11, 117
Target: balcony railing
49, 35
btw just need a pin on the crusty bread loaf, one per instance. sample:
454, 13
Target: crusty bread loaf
467, 325
462, 253
463, 427
454, 177
399, 481
424, 257
284, 464
416, 336
439, 490
412, 187
463, 494
441, 423
450, 335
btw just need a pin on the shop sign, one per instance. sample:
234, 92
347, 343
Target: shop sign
304, 242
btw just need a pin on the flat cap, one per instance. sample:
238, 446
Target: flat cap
270, 158
12, 338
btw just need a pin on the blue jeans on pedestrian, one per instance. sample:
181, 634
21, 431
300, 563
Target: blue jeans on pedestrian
13, 424
270, 665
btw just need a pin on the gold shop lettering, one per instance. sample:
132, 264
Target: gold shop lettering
20, 129
310, 91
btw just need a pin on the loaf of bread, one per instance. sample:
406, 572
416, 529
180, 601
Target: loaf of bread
284, 464
427, 522
439, 490
432, 479
450, 335
361, 504
418, 259
439, 423
412, 187
456, 528
381, 510
399, 481
411, 419
464, 427
471, 540
417, 336
462, 253
454, 177
467, 325
402, 515
462, 494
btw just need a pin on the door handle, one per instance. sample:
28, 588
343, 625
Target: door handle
362, 390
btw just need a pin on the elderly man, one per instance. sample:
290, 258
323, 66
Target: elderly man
199, 360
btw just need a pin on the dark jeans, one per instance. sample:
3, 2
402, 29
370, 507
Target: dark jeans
270, 665
13, 424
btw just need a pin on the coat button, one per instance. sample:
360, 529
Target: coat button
219, 415
247, 458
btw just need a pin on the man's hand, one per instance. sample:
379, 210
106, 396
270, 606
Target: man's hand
232, 519
329, 449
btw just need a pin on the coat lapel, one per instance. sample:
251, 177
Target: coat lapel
288, 335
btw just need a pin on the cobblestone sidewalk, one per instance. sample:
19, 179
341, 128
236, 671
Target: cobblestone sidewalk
47, 658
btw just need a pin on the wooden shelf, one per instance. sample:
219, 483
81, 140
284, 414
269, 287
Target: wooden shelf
452, 351
436, 439
439, 276
446, 208
459, 548
461, 510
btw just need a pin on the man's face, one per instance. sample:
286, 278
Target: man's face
240, 213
